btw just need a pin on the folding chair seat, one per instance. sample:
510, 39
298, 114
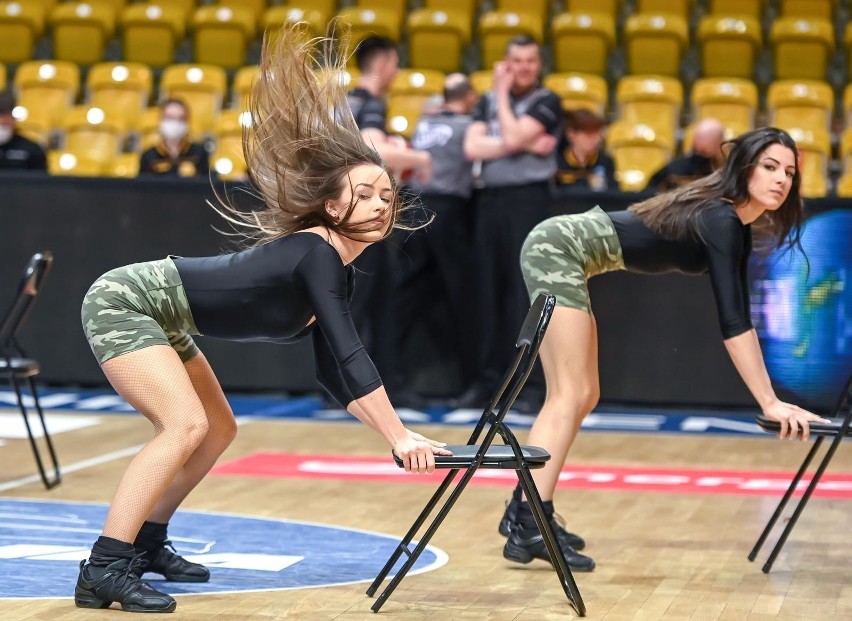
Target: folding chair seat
809, 9
582, 42
814, 146
639, 151
655, 101
93, 136
314, 20
839, 428
802, 48
81, 31
228, 160
20, 370
47, 88
751, 8
729, 45
407, 96
610, 8
201, 87
497, 28
437, 38
800, 103
579, 90
479, 452
121, 90
366, 22
21, 24
732, 101
680, 8
221, 35
152, 32
482, 81
655, 44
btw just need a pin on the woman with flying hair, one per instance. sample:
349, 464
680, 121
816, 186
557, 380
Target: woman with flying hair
327, 198
703, 227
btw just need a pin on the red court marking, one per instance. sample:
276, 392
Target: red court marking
669, 480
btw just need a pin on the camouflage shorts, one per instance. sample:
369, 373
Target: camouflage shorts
560, 254
137, 306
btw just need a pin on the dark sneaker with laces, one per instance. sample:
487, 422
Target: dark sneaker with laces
167, 562
525, 545
98, 587
510, 517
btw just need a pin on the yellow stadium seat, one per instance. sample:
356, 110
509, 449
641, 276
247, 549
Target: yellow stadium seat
497, 28
802, 48
68, 164
656, 7
201, 87
814, 148
482, 80
244, 79
579, 90
81, 31
654, 101
367, 22
729, 45
805, 104
46, 5
257, 7
221, 35
36, 128
732, 101
808, 9
437, 38
186, 7
47, 89
610, 8
847, 105
228, 160
397, 7
21, 24
730, 8
408, 94
582, 42
151, 33
148, 129
638, 152
847, 42
93, 137
2, 74
536, 7
468, 7
126, 165
655, 44
121, 90
844, 184
314, 19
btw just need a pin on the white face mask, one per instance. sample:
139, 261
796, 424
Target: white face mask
172, 129
6, 133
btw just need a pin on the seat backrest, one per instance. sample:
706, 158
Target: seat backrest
37, 268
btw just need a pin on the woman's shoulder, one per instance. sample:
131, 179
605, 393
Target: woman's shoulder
720, 213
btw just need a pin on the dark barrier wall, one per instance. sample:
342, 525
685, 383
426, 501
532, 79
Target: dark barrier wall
659, 339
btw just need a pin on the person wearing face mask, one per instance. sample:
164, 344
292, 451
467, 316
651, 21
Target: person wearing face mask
16, 152
704, 157
580, 159
175, 154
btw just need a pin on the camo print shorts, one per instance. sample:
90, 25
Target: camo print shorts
560, 254
137, 306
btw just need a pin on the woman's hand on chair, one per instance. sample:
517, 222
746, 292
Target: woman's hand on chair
792, 418
418, 452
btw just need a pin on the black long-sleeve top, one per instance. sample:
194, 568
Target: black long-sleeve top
271, 292
719, 244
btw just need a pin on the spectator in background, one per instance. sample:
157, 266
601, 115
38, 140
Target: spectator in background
434, 260
513, 135
16, 152
581, 161
175, 154
704, 157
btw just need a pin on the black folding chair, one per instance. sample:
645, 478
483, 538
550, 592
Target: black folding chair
474, 455
19, 369
840, 427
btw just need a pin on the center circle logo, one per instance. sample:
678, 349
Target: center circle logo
43, 542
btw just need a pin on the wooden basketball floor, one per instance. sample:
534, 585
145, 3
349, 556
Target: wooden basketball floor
660, 555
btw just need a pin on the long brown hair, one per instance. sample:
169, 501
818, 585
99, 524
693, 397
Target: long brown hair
302, 140
670, 214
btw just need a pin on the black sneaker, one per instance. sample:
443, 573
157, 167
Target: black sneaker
525, 545
99, 587
165, 561
565, 538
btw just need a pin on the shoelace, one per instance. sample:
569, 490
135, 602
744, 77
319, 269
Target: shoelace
128, 573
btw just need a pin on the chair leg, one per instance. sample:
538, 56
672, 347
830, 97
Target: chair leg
412, 532
49, 483
566, 578
783, 502
835, 444
413, 555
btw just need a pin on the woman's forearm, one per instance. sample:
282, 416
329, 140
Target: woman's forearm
375, 411
744, 350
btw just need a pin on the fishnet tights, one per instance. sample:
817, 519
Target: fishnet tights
193, 425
